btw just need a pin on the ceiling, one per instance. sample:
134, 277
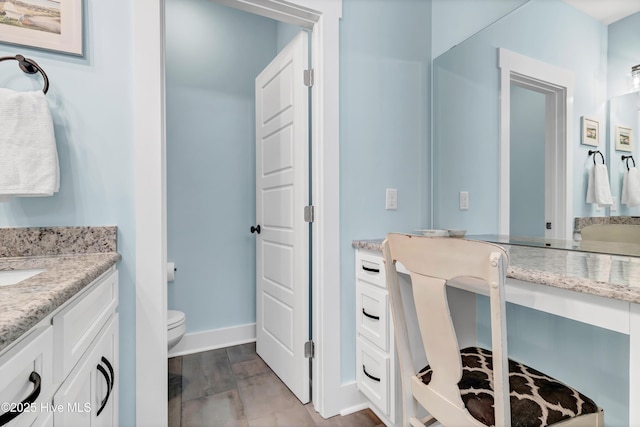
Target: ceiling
607, 11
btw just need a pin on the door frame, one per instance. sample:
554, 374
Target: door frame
323, 18
558, 85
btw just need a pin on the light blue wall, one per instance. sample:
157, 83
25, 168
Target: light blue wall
466, 109
527, 143
285, 33
91, 100
454, 21
384, 111
211, 71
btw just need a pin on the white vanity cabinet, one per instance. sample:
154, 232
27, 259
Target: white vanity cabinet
86, 358
74, 353
376, 374
89, 394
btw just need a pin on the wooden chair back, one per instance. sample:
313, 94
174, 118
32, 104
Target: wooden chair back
432, 263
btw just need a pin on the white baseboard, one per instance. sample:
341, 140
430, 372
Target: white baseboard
214, 339
351, 399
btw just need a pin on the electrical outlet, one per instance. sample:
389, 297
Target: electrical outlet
392, 199
464, 200
614, 207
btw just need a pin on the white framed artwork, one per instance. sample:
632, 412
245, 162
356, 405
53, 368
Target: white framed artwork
624, 138
45, 24
590, 132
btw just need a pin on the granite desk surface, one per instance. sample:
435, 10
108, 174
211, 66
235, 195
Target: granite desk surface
605, 275
72, 257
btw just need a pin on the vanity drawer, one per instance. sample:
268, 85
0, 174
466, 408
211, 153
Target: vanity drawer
370, 268
372, 374
77, 325
26, 371
372, 310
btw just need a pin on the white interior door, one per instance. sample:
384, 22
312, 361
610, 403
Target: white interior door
282, 192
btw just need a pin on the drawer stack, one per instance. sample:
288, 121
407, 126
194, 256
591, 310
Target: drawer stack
375, 351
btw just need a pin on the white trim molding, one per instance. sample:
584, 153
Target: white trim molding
558, 86
214, 339
351, 398
150, 218
323, 18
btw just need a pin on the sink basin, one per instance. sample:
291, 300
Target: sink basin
11, 277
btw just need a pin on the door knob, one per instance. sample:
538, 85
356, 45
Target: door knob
255, 229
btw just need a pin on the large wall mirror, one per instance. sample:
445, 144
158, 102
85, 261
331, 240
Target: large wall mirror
624, 117
467, 120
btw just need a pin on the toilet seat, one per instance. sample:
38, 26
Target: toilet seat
176, 327
174, 318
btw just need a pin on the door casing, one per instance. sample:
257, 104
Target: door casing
323, 18
557, 84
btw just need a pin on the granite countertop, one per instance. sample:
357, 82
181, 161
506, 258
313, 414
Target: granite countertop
609, 276
72, 258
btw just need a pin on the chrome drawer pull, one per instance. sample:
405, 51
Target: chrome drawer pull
369, 375
370, 316
8, 416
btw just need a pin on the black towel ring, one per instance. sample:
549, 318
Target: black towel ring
593, 152
29, 66
626, 158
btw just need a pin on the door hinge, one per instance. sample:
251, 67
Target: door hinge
548, 226
308, 213
309, 349
308, 77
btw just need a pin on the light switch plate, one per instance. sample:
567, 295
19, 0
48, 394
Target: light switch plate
392, 199
464, 200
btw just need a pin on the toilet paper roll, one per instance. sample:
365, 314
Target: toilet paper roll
171, 271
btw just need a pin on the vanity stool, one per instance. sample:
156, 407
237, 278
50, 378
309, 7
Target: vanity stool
462, 387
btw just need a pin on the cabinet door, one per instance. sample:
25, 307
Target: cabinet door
44, 420
88, 397
26, 379
76, 327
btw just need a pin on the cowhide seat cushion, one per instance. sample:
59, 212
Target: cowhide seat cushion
536, 399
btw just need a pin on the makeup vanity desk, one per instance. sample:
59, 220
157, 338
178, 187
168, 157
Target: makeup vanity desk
581, 281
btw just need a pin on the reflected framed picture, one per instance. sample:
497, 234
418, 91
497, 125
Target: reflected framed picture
590, 132
45, 24
624, 138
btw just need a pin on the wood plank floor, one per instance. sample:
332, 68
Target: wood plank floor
233, 387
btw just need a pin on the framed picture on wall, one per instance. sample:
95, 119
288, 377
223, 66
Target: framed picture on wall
45, 24
624, 138
590, 132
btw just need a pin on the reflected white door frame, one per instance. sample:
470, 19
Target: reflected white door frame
557, 84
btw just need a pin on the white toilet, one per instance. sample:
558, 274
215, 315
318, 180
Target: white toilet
176, 327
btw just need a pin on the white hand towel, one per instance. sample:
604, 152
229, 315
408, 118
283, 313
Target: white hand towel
598, 189
28, 155
631, 188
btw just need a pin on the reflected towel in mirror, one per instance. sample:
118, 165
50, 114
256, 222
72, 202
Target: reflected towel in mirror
631, 188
